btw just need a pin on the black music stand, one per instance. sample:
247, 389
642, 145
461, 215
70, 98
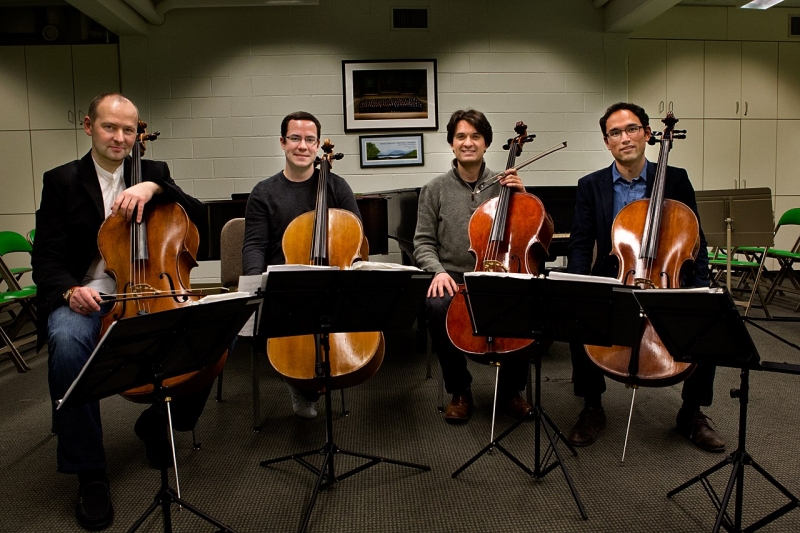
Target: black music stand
705, 327
322, 302
590, 311
734, 218
148, 349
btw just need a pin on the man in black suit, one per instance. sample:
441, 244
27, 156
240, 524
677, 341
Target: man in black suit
601, 195
70, 276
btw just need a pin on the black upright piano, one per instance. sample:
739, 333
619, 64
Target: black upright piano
559, 202
393, 215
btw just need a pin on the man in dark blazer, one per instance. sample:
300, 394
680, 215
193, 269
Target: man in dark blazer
601, 195
70, 276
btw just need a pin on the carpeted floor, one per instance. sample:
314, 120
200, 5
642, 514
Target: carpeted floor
394, 415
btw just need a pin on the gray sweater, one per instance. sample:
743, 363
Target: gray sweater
441, 241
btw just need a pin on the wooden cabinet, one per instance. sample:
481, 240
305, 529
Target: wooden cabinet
13, 89
95, 70
741, 80
723, 75
739, 154
789, 80
63, 79
45, 92
788, 158
721, 140
758, 154
666, 76
760, 80
685, 78
51, 100
16, 173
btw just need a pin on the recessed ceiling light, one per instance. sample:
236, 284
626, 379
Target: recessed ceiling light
761, 4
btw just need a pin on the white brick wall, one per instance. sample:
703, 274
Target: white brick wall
224, 79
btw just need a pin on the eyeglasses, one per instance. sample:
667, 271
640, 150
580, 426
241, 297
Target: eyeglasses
630, 130
295, 139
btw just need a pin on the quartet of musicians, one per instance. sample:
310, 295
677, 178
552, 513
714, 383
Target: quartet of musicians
70, 273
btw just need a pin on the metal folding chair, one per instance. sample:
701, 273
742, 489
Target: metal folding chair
786, 258
17, 301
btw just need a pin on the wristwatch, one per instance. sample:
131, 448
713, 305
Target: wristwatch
68, 293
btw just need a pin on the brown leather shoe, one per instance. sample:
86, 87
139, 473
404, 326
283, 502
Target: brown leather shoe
591, 421
516, 406
459, 410
696, 427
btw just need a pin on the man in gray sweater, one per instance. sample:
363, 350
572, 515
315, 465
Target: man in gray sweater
441, 245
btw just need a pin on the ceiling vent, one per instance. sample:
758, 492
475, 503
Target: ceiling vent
409, 19
794, 25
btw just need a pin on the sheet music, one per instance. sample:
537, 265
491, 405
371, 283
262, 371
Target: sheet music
682, 290
249, 285
566, 276
375, 265
210, 299
499, 275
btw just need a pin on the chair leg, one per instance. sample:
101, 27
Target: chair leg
219, 385
53, 421
13, 353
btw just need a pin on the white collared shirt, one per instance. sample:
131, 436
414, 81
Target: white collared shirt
111, 185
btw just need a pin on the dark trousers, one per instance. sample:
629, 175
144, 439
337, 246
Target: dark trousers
71, 340
457, 379
588, 380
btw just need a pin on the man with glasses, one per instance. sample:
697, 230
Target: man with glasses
601, 195
278, 200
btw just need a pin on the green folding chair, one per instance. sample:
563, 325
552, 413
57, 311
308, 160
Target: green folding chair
13, 242
786, 258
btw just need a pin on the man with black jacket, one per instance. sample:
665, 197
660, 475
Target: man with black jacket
601, 195
70, 276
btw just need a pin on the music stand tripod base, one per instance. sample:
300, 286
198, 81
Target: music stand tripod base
321, 302
738, 459
543, 464
149, 348
705, 327
326, 473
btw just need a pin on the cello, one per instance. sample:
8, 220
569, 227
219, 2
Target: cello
653, 239
151, 263
326, 237
508, 233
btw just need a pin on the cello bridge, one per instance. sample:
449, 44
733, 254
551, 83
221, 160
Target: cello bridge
644, 283
143, 288
492, 265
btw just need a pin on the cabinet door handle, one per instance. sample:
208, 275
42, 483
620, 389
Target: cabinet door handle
744, 184
737, 108
745, 109
735, 184
70, 117
670, 106
661, 107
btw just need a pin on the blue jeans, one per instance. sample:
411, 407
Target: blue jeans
71, 339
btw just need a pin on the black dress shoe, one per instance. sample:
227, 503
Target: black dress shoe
696, 427
460, 408
156, 445
516, 406
591, 421
94, 510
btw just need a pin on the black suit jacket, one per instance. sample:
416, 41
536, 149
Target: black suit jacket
594, 206
69, 219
